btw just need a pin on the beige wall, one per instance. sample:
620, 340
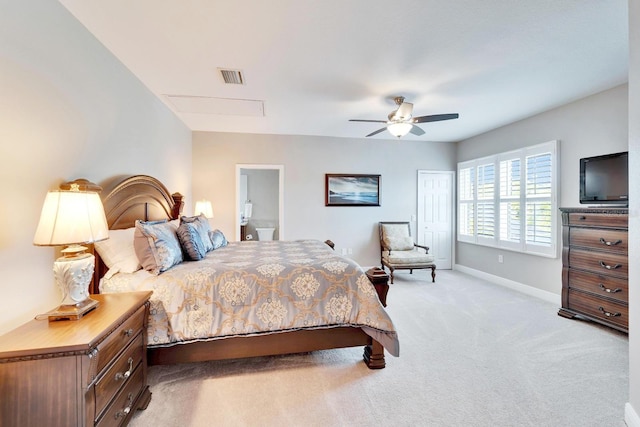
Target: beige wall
68, 109
306, 160
590, 126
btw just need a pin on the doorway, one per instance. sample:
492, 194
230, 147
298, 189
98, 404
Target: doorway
434, 227
260, 194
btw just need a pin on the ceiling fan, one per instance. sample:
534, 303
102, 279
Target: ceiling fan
401, 122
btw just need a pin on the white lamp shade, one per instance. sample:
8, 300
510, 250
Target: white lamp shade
399, 129
204, 207
70, 217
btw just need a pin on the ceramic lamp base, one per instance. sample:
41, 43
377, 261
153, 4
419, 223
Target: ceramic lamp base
73, 273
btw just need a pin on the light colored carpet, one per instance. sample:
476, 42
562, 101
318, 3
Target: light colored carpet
471, 354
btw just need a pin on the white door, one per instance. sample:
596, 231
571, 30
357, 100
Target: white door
434, 227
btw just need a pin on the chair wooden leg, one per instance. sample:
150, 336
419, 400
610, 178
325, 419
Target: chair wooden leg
433, 274
391, 274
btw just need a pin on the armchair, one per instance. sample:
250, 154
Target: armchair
399, 252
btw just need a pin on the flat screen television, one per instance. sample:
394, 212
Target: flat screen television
605, 179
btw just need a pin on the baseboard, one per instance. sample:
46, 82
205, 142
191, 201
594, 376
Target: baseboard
630, 416
517, 286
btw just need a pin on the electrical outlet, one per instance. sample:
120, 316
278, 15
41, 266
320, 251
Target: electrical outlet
350, 251
500, 259
344, 251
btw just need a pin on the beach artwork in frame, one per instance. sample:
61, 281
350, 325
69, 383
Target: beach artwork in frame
352, 190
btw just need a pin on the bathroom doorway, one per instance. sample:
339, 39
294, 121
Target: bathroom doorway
259, 201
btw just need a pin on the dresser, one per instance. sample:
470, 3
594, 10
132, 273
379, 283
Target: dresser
86, 372
595, 265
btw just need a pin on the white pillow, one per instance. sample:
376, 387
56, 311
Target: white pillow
118, 252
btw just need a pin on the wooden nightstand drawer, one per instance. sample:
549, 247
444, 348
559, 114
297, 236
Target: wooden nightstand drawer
598, 220
122, 408
602, 285
58, 373
118, 374
599, 262
600, 239
120, 338
605, 310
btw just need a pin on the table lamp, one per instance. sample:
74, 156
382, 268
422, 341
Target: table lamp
204, 207
72, 216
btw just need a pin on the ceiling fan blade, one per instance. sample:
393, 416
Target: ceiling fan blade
416, 130
435, 118
376, 132
368, 121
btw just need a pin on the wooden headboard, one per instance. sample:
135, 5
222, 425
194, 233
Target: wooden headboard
136, 197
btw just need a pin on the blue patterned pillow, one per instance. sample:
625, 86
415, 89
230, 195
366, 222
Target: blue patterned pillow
156, 245
201, 223
191, 242
217, 239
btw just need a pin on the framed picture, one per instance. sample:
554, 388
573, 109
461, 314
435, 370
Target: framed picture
352, 190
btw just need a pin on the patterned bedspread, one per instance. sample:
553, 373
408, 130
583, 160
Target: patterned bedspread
249, 288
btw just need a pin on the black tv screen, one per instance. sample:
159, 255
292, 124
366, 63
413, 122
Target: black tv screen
605, 179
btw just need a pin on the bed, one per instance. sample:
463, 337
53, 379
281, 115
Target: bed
232, 303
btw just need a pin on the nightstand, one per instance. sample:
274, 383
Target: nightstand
86, 372
380, 280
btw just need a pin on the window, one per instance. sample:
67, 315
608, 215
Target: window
509, 200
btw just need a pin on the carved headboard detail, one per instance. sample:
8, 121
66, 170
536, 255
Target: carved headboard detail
136, 197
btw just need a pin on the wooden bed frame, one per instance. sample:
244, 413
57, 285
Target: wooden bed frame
145, 198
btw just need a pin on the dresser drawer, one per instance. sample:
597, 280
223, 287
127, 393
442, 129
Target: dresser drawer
120, 338
118, 374
599, 238
598, 220
605, 286
122, 406
599, 262
605, 310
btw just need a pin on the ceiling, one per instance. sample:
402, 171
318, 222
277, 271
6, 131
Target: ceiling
311, 65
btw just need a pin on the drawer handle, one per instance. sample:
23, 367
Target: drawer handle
582, 218
608, 314
125, 375
604, 242
125, 410
610, 291
128, 332
609, 267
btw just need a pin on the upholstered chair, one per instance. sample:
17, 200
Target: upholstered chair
400, 252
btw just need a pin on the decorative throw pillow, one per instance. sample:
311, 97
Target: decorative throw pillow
118, 253
201, 223
217, 239
396, 238
191, 242
157, 246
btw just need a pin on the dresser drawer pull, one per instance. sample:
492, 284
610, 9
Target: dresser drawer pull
128, 332
610, 291
606, 313
582, 218
125, 375
604, 242
609, 267
127, 409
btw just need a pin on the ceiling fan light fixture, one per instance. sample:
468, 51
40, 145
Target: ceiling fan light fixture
399, 129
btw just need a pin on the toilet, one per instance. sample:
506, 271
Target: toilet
265, 233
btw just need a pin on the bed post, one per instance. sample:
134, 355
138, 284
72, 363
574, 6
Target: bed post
178, 204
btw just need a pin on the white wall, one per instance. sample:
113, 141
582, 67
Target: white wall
590, 126
306, 160
68, 109
633, 411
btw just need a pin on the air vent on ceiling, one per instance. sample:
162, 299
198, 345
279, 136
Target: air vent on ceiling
232, 77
